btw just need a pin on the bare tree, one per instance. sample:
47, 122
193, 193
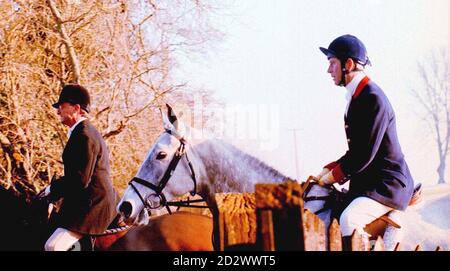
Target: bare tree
124, 52
434, 97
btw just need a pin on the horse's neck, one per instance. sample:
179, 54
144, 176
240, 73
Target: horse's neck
227, 169
315, 205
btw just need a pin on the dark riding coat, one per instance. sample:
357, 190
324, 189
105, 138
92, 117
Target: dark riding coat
89, 198
374, 161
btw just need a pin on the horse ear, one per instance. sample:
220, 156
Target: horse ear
171, 123
167, 125
172, 116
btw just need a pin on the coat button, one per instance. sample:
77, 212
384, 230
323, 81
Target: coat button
346, 126
348, 140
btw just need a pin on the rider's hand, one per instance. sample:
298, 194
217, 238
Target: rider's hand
50, 210
327, 179
44, 193
323, 172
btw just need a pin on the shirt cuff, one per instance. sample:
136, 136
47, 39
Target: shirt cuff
47, 190
331, 165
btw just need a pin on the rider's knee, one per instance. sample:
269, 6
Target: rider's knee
347, 218
349, 221
50, 245
53, 245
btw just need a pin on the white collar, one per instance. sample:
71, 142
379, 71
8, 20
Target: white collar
69, 133
351, 87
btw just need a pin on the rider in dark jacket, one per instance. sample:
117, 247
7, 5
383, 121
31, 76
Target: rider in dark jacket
89, 197
374, 162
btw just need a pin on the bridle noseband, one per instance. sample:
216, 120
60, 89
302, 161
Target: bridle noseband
180, 152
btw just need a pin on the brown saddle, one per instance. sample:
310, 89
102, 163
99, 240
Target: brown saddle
378, 226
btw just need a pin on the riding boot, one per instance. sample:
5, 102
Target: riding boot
347, 243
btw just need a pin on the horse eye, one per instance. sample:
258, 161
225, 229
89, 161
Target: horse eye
161, 155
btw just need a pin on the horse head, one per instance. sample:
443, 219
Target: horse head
165, 174
184, 160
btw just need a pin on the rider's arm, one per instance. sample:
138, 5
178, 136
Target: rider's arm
78, 169
369, 128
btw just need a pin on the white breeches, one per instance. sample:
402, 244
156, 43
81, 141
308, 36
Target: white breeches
61, 240
360, 212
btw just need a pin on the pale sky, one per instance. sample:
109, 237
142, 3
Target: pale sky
269, 59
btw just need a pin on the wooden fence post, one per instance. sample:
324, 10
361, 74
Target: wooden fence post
265, 230
358, 242
280, 207
379, 244
334, 236
237, 220
313, 232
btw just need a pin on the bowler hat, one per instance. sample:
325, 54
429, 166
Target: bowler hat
74, 94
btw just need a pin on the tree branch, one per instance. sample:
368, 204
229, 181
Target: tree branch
66, 40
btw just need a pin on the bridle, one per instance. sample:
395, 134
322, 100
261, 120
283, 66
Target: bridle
158, 189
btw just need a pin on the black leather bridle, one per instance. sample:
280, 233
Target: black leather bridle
158, 189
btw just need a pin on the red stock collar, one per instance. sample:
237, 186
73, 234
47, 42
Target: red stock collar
360, 87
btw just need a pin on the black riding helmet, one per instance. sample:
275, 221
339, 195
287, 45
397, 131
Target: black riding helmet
345, 47
74, 94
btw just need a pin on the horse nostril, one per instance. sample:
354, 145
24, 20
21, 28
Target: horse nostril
126, 208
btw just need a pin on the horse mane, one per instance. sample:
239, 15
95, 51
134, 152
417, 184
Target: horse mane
205, 138
247, 159
253, 161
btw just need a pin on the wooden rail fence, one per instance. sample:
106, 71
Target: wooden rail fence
273, 218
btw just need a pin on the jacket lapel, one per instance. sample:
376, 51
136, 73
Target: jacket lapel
358, 91
73, 137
